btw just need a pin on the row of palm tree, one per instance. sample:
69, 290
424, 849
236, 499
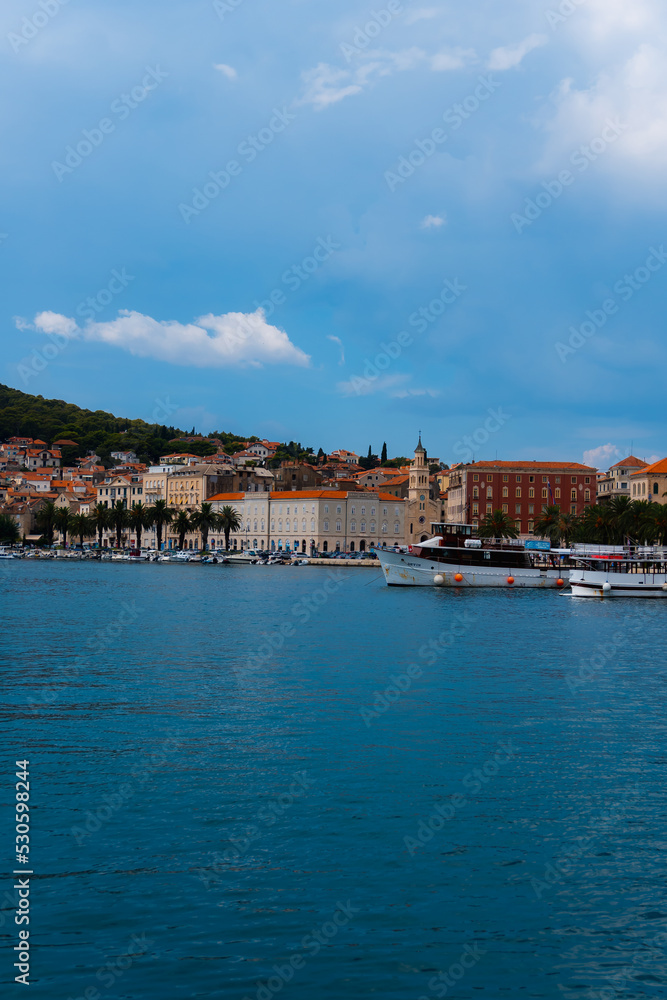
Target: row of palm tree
137, 518
622, 519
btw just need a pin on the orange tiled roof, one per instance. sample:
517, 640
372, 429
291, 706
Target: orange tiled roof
649, 470
631, 460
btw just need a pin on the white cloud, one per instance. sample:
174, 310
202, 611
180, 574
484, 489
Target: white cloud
228, 71
454, 59
421, 14
325, 85
337, 340
407, 393
634, 95
506, 57
433, 222
603, 456
50, 322
243, 339
394, 386
360, 386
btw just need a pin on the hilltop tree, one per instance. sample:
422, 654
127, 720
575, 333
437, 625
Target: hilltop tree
383, 455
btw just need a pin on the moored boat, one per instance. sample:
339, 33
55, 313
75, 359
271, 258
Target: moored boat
453, 558
619, 571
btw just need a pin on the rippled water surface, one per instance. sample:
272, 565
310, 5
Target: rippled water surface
222, 767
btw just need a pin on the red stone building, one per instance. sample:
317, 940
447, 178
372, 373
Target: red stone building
520, 489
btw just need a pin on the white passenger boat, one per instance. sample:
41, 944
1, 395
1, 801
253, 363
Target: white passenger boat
619, 571
453, 558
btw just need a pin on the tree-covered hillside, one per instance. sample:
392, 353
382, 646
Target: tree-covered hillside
93, 430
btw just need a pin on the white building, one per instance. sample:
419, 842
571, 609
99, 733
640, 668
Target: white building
314, 520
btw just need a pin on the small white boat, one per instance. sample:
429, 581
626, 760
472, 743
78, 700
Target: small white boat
7, 553
619, 571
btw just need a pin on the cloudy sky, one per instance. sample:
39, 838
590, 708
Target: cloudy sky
342, 223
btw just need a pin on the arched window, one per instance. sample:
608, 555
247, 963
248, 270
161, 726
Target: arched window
655, 488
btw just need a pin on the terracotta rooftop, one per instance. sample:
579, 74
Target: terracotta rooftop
649, 470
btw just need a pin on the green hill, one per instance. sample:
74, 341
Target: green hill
93, 430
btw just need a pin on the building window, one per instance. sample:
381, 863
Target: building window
531, 526
338, 526
531, 491
574, 479
518, 492
326, 525
505, 508
489, 491
397, 511
531, 508
557, 493
517, 508
573, 508
396, 527
506, 491
587, 494
506, 479
326, 508
475, 492
353, 525
475, 477
363, 527
489, 508
573, 495
475, 508
587, 479
544, 492
363, 510
531, 479
339, 510
384, 511
655, 488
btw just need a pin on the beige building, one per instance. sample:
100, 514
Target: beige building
315, 520
617, 482
650, 483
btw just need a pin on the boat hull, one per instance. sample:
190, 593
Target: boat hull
592, 583
404, 570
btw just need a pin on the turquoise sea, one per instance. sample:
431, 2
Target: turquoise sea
259, 782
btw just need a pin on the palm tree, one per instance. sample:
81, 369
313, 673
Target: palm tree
204, 520
45, 520
229, 521
598, 524
548, 524
138, 518
181, 525
639, 520
9, 530
118, 519
497, 525
622, 509
659, 517
82, 526
100, 518
160, 515
62, 520
567, 526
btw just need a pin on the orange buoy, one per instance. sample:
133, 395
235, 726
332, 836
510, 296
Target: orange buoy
510, 579
560, 583
458, 577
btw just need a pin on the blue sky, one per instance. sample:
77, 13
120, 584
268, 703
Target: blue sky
342, 223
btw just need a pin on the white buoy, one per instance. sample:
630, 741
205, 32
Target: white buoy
438, 580
606, 587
